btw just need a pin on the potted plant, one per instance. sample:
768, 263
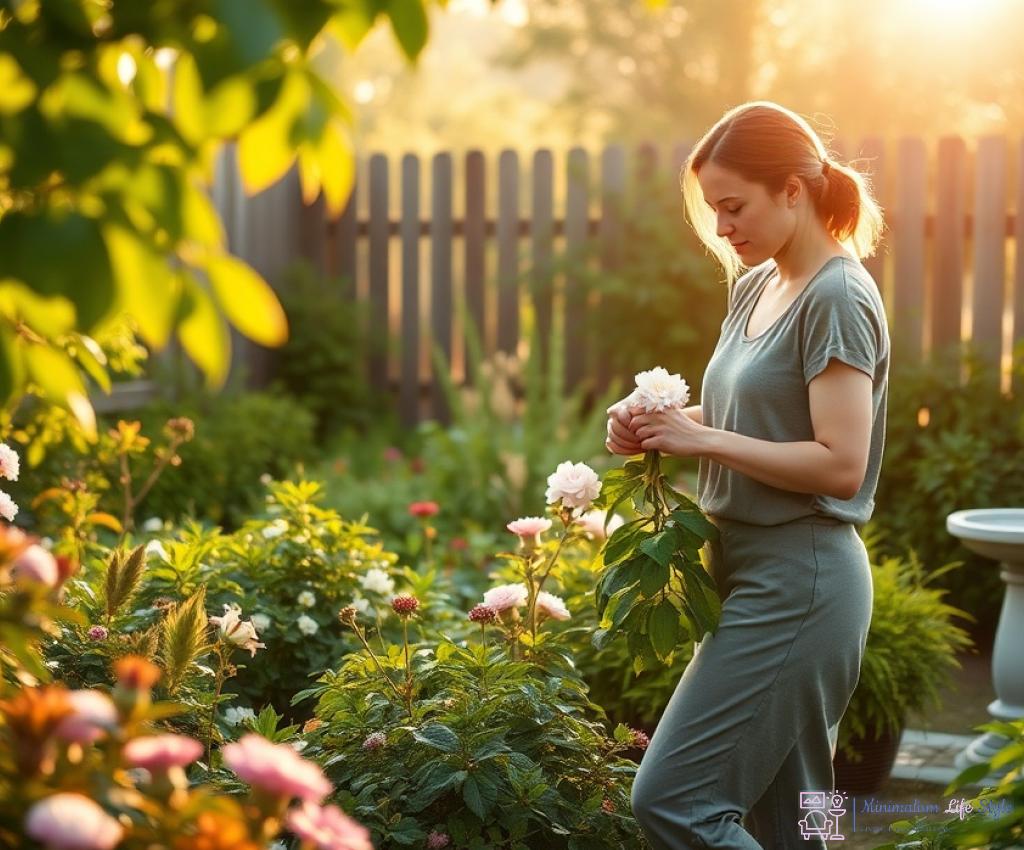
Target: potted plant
911, 653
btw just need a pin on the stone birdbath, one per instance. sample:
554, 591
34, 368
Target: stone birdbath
998, 533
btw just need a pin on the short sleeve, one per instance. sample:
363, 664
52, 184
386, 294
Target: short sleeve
842, 322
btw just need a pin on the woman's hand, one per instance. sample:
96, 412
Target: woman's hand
621, 441
671, 432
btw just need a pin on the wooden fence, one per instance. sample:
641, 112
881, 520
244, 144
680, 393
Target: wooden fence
949, 267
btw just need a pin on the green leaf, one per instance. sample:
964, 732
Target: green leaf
410, 25
148, 288
696, 522
663, 628
438, 736
248, 301
480, 794
265, 150
623, 540
702, 599
661, 547
653, 578
203, 334
16, 89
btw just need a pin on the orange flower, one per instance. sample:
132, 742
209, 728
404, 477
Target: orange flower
136, 673
32, 716
216, 831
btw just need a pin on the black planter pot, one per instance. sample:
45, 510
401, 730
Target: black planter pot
870, 773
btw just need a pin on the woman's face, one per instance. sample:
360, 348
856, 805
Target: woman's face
757, 223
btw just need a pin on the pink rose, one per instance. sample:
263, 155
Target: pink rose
506, 596
276, 769
93, 715
529, 530
161, 752
72, 822
329, 828
36, 564
551, 605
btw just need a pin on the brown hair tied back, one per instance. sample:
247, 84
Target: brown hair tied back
826, 167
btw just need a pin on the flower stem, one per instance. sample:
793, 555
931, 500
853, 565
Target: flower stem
213, 705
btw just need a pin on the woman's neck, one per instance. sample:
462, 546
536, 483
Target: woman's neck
805, 253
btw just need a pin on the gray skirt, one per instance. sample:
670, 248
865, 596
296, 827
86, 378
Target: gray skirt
749, 733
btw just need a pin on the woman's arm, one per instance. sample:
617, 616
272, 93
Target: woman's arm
834, 463
695, 413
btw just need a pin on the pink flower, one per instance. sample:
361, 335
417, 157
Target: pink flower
375, 740
551, 605
483, 613
161, 752
72, 822
329, 828
276, 769
97, 633
574, 485
392, 454
424, 509
438, 840
506, 596
35, 564
592, 524
93, 715
529, 530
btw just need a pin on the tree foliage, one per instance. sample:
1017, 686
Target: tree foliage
112, 113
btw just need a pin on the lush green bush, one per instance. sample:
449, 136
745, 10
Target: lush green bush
323, 363
950, 446
462, 739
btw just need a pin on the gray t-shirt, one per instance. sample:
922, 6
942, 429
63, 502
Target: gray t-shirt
758, 386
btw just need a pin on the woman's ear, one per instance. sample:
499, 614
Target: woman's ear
793, 189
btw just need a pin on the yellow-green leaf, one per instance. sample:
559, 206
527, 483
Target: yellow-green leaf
187, 97
248, 301
204, 336
149, 290
337, 168
265, 149
105, 519
228, 107
409, 23
16, 90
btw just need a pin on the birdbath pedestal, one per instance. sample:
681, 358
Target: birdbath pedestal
998, 533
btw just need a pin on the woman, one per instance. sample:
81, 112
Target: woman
789, 433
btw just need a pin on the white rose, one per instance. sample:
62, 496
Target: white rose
361, 605
153, 524
260, 621
274, 529
307, 625
234, 716
237, 631
377, 581
592, 523
575, 485
306, 599
657, 390
155, 547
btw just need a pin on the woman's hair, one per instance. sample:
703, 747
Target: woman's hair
767, 143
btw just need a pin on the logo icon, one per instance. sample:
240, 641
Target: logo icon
824, 809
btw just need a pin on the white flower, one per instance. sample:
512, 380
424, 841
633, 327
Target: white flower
266, 478
361, 605
307, 625
278, 845
260, 621
506, 596
46, 542
234, 716
377, 581
8, 508
9, 463
237, 631
155, 547
553, 606
575, 485
592, 524
299, 746
154, 523
306, 599
657, 390
275, 529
